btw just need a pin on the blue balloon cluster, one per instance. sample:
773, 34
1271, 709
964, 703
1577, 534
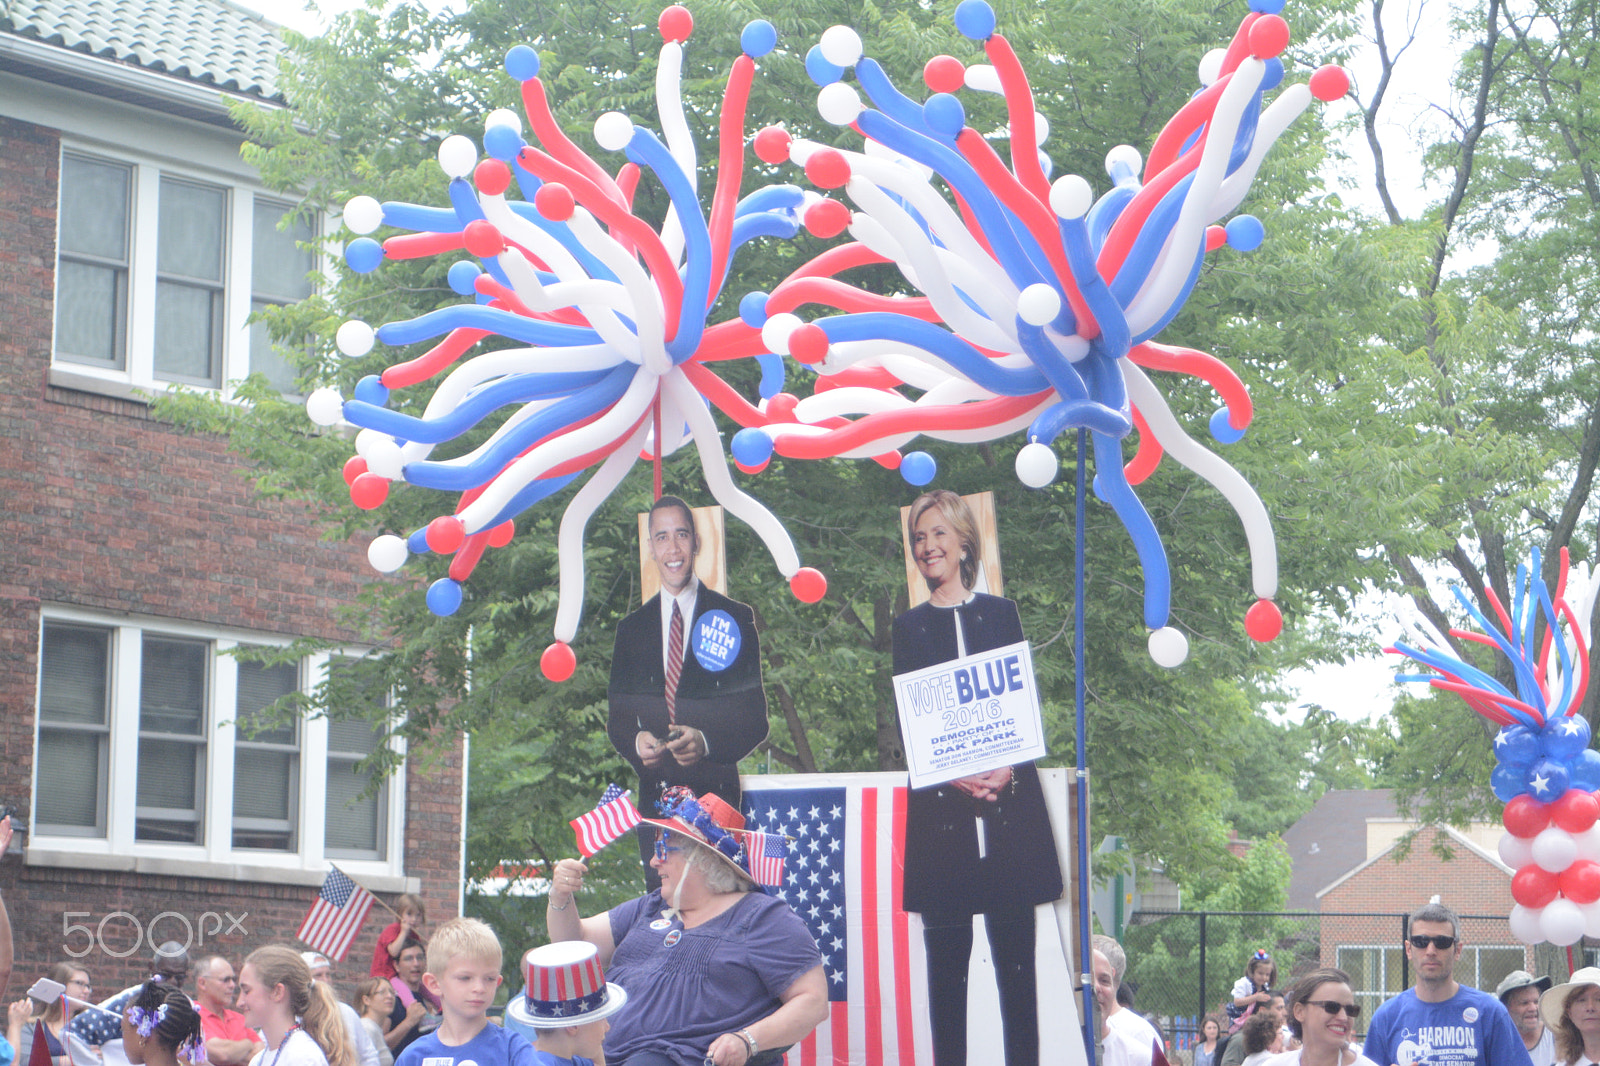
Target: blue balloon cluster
1545, 763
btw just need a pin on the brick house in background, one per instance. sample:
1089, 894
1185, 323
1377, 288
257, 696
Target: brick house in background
134, 243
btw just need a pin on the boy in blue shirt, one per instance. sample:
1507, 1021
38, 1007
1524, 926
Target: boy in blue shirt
464, 972
566, 1004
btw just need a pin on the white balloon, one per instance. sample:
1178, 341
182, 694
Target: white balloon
1211, 65
1591, 918
503, 116
1589, 843
839, 104
983, 78
325, 407
367, 439
1516, 852
1036, 465
1526, 924
840, 45
384, 459
363, 214
387, 553
1041, 129
775, 332
1554, 849
1038, 304
1562, 922
457, 156
355, 338
1123, 159
613, 130
1071, 196
1168, 647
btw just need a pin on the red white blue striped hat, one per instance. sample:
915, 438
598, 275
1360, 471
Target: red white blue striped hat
566, 986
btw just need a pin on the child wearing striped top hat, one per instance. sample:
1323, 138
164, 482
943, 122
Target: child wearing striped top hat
566, 1004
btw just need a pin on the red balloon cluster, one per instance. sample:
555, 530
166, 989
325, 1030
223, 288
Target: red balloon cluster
1555, 850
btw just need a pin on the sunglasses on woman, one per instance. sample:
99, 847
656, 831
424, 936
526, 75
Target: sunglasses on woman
1333, 1006
663, 849
1443, 943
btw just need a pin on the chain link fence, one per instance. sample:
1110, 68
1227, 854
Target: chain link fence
1182, 965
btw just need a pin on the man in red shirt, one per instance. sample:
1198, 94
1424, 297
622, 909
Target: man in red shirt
229, 1041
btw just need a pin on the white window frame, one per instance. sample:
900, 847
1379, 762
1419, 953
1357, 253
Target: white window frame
215, 856
137, 374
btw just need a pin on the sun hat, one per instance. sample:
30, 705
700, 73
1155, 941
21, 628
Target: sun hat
1553, 1004
708, 821
566, 986
1520, 979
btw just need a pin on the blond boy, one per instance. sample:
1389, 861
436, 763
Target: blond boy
464, 972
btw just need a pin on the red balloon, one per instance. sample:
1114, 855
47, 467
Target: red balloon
827, 169
1534, 886
558, 662
1329, 82
1580, 882
354, 467
1576, 811
675, 24
501, 534
1216, 237
743, 469
445, 534
1525, 817
1269, 36
492, 176
944, 74
827, 218
781, 407
808, 585
1263, 621
369, 490
772, 145
554, 201
482, 239
809, 344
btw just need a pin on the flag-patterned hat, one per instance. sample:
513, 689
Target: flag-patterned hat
566, 986
709, 821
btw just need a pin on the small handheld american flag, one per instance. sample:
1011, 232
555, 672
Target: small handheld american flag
767, 853
614, 816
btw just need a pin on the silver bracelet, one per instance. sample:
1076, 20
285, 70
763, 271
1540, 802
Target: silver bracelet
749, 1042
551, 900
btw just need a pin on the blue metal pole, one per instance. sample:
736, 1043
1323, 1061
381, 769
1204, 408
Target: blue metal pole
1082, 784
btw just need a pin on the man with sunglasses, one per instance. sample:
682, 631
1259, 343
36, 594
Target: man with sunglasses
1439, 1021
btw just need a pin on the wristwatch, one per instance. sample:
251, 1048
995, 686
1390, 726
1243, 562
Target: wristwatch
749, 1042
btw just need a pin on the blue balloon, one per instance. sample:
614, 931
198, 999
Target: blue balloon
772, 374
821, 71
444, 597
402, 215
1111, 485
944, 114
975, 19
522, 63
1516, 745
417, 542
363, 254
1565, 736
1585, 772
1273, 76
502, 142
918, 468
751, 446
753, 309
1245, 232
463, 277
1222, 430
371, 389
1548, 780
1508, 782
759, 38
1266, 7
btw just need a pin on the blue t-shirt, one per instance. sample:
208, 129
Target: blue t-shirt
493, 1046
544, 1058
1471, 1028
686, 987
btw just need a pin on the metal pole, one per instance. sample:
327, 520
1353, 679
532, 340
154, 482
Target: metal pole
1202, 1012
1079, 691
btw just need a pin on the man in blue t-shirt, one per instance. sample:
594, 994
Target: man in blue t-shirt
1439, 1021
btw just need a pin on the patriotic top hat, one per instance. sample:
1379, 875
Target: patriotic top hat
709, 821
566, 986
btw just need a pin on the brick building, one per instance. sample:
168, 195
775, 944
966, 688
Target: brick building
134, 244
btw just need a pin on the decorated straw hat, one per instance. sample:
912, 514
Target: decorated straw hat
566, 986
708, 821
1553, 1004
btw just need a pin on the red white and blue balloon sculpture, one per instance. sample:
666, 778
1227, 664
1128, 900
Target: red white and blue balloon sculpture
1031, 306
1545, 771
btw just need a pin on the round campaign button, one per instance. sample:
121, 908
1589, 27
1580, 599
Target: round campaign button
716, 640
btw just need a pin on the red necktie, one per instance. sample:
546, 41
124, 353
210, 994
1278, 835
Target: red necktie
674, 661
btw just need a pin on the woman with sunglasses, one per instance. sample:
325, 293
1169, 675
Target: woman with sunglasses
1322, 1016
716, 971
1572, 1012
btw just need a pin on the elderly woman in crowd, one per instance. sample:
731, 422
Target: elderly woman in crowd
1572, 1011
714, 968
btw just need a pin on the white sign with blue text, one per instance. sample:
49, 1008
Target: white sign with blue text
969, 715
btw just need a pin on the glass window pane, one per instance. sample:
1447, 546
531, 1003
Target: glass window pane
94, 208
357, 736
172, 691
353, 824
259, 687
72, 761
74, 674
262, 783
280, 268
169, 774
91, 304
188, 325
265, 358
191, 227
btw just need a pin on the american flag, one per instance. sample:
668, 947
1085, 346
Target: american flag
335, 918
611, 819
767, 852
843, 878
